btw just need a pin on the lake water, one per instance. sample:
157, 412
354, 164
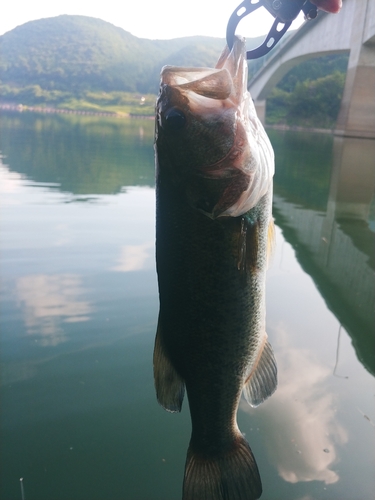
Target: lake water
79, 306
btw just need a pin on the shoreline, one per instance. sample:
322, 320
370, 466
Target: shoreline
296, 128
20, 108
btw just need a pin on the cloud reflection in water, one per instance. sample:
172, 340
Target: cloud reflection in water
134, 257
47, 301
302, 436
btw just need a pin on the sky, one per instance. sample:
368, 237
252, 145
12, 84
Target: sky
154, 19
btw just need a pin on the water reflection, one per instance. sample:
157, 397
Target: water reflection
78, 279
10, 182
134, 257
81, 155
326, 215
306, 412
352, 185
49, 301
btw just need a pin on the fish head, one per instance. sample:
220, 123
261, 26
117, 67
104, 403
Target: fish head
208, 140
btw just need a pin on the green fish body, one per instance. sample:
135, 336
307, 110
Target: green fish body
214, 229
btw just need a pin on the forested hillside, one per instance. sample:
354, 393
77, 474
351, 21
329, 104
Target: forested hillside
73, 53
85, 63
310, 93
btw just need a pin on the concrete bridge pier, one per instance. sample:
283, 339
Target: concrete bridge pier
260, 108
357, 112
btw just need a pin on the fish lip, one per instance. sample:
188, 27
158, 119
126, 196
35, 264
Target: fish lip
213, 83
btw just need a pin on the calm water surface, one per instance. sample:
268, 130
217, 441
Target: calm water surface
79, 307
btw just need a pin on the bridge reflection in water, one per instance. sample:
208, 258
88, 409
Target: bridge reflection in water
324, 203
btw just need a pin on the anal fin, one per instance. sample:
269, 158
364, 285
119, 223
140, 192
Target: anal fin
262, 380
170, 387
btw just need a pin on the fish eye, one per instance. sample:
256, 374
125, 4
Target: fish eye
174, 119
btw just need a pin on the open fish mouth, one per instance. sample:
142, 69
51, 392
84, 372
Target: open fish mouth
207, 130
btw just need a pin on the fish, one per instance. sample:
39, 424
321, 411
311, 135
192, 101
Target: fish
214, 235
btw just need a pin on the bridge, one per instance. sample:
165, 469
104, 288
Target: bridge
353, 31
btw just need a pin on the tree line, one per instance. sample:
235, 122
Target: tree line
78, 62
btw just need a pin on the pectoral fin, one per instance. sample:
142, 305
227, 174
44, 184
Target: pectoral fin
262, 380
170, 387
248, 246
270, 241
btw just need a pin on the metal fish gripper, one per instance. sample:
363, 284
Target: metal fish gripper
284, 12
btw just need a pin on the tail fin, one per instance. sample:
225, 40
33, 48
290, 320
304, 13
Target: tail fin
231, 476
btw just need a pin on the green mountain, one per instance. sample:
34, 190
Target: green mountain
72, 53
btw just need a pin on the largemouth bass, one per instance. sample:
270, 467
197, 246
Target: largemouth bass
214, 169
